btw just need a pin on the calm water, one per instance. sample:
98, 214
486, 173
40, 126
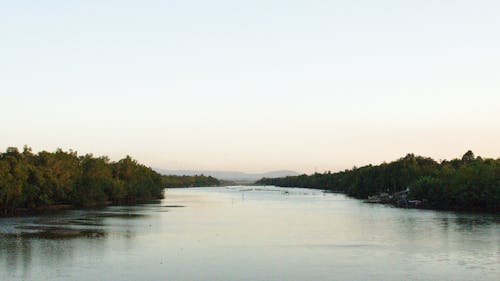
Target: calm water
252, 233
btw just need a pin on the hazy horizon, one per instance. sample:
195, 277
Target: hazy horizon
253, 87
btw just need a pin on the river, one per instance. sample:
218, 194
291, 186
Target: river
251, 233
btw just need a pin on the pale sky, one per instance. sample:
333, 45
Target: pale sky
252, 85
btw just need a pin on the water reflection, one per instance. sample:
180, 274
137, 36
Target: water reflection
23, 259
256, 233
53, 239
474, 222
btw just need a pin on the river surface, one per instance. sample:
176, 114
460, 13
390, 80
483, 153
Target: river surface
251, 233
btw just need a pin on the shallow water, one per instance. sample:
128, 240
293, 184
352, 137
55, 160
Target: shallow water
251, 233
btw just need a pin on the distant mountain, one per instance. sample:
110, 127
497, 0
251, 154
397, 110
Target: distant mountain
230, 175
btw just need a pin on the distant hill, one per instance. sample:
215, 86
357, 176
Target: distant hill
230, 175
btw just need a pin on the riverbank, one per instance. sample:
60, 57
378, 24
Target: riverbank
52, 209
400, 200
470, 183
59, 180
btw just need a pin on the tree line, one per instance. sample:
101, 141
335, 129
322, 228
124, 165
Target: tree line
31, 181
171, 181
468, 183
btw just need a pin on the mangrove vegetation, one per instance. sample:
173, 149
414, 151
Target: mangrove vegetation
31, 181
172, 181
468, 183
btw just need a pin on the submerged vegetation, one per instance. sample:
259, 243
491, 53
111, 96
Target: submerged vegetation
31, 181
171, 181
469, 183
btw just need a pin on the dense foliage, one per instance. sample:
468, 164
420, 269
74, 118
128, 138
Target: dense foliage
469, 183
189, 181
30, 181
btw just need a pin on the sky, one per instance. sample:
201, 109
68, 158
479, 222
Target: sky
252, 85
